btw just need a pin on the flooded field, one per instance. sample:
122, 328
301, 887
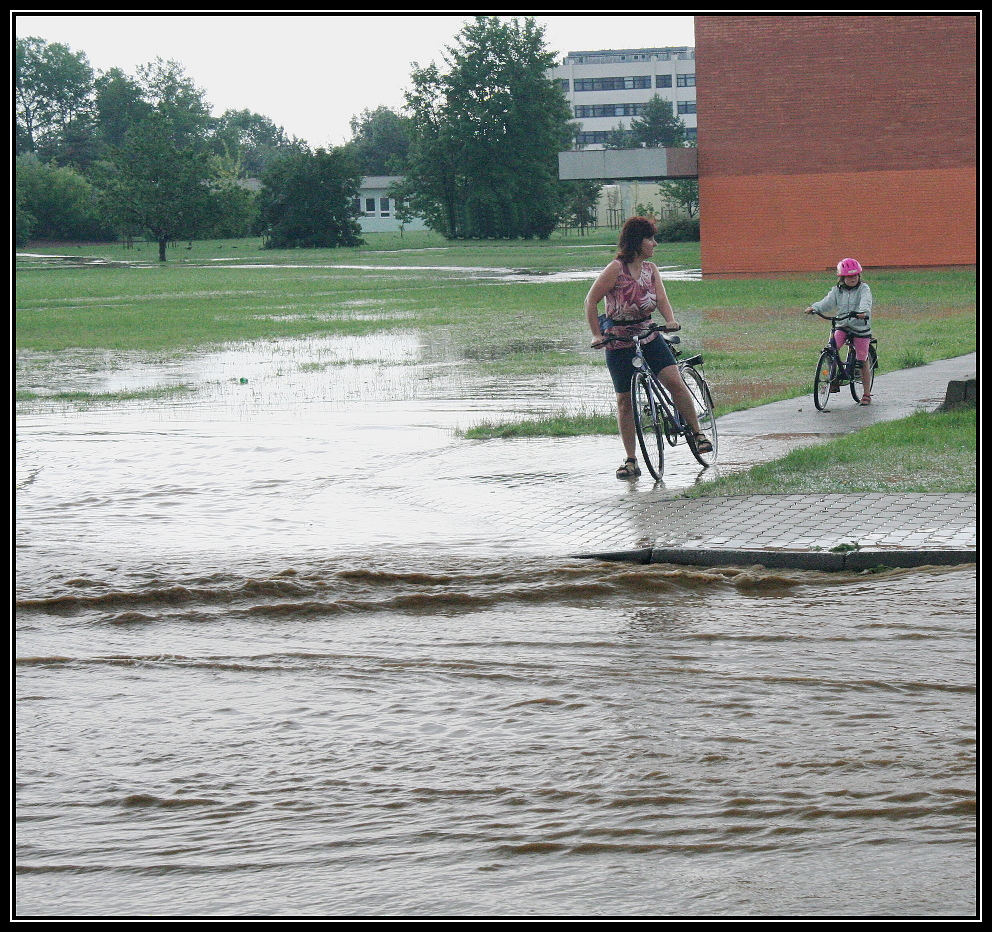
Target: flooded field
287, 645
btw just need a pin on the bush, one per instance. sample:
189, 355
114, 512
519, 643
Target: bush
57, 204
679, 231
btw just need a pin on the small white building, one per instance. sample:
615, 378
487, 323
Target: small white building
376, 206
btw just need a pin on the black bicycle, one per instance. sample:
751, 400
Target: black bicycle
832, 372
657, 420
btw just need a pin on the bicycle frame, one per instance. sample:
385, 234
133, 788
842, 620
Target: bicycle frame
657, 419
833, 372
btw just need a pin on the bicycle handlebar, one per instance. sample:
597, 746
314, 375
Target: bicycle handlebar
833, 320
652, 328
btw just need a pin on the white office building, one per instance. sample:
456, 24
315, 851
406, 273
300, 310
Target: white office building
609, 88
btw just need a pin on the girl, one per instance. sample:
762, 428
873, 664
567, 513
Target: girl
633, 290
850, 301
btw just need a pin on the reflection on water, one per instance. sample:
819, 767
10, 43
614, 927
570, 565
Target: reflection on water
295, 648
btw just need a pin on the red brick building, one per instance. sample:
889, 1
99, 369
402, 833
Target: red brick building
829, 136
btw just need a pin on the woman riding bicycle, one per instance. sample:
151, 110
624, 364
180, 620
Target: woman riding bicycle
633, 290
850, 302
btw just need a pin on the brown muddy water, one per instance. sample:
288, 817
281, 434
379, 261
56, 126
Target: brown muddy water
291, 647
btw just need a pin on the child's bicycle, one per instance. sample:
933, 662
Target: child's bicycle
656, 419
832, 372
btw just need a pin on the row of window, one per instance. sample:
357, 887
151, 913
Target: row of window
601, 137
635, 83
624, 110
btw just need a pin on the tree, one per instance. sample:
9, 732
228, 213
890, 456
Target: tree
307, 200
120, 104
58, 203
683, 192
160, 187
658, 127
486, 135
249, 141
163, 180
381, 142
53, 85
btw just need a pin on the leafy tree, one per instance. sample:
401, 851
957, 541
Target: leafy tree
163, 180
619, 138
581, 199
306, 200
249, 140
53, 85
174, 97
120, 104
486, 134
381, 142
160, 187
658, 127
58, 203
684, 192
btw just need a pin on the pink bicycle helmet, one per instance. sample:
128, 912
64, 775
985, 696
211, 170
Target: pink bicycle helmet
848, 267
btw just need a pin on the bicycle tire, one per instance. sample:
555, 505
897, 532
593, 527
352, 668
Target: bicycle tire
648, 420
826, 371
703, 402
857, 384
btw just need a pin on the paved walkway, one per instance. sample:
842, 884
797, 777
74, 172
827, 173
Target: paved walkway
828, 532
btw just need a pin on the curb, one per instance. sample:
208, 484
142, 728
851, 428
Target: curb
825, 561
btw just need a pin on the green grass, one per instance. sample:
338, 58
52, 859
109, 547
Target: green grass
560, 425
926, 452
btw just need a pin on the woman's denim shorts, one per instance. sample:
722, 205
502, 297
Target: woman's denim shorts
657, 353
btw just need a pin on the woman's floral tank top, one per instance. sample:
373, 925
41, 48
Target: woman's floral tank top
631, 299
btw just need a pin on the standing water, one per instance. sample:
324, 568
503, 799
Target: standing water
285, 652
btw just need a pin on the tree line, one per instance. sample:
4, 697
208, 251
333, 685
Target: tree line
117, 156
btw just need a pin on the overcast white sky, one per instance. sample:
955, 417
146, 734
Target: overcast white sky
311, 74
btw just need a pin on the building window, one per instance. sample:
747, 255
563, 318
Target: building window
564, 84
608, 110
384, 207
662, 80
370, 205
687, 106
686, 80
612, 84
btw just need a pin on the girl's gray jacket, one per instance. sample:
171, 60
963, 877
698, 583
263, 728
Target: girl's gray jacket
844, 303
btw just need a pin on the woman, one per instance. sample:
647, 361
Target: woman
850, 301
633, 290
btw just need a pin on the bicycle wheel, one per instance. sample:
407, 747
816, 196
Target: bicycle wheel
857, 386
826, 370
648, 419
703, 403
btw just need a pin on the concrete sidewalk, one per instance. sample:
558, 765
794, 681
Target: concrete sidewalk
822, 532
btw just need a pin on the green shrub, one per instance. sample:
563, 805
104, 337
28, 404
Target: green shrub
679, 231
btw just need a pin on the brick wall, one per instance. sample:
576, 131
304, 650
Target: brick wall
827, 136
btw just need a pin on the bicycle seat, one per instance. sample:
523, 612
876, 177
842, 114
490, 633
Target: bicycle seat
672, 337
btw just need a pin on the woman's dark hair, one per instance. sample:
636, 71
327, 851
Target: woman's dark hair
634, 232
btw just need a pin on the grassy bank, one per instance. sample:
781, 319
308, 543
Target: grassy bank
926, 452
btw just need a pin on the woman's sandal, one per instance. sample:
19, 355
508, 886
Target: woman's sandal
702, 444
865, 400
629, 469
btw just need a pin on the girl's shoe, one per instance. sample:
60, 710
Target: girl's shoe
865, 400
629, 469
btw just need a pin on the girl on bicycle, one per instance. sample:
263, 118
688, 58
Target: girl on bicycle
850, 300
633, 290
